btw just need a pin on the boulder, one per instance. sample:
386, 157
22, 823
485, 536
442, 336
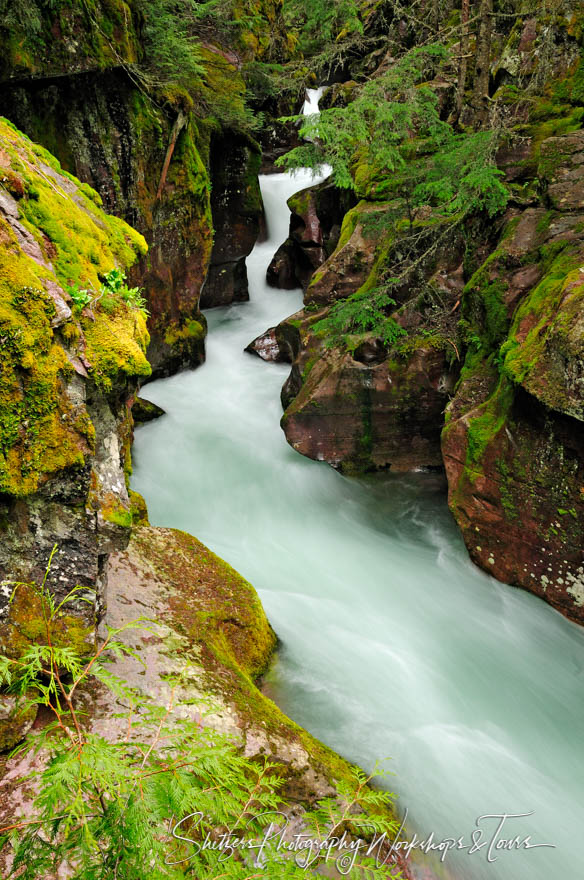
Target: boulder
266, 347
369, 414
315, 227
145, 411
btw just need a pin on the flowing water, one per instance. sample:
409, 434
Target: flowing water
393, 643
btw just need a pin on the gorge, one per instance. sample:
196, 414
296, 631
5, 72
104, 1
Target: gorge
392, 643
336, 333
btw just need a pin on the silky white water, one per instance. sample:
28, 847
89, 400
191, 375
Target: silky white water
393, 643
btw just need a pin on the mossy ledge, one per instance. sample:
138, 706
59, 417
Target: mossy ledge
211, 626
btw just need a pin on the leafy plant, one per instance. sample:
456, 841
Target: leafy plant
361, 312
80, 296
113, 291
115, 285
146, 800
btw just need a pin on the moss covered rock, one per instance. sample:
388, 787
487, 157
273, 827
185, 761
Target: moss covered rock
16, 719
315, 228
512, 443
71, 357
210, 626
374, 413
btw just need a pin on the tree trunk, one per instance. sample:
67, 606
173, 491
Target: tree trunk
483, 62
178, 126
464, 46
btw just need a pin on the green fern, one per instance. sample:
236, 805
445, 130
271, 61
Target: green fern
144, 804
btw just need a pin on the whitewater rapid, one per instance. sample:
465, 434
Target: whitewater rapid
393, 643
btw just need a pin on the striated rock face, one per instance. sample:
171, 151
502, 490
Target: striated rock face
369, 414
514, 442
236, 206
68, 377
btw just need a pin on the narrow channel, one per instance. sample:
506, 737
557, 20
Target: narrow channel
393, 643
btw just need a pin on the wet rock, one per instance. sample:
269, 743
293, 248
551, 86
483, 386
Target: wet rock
368, 415
351, 262
513, 444
515, 472
266, 346
145, 411
282, 269
370, 351
315, 227
237, 210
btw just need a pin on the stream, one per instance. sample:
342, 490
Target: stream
392, 642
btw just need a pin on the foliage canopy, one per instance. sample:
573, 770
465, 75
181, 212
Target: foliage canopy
393, 128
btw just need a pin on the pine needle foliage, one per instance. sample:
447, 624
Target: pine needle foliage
320, 22
363, 312
393, 128
171, 53
169, 797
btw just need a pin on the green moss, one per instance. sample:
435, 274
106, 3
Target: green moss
349, 225
138, 509
540, 311
114, 512
24, 626
490, 419
190, 330
95, 33
299, 203
483, 303
419, 341
224, 611
506, 490
116, 347
42, 429
554, 127
220, 615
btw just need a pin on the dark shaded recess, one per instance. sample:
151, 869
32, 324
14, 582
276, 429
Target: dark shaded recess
238, 216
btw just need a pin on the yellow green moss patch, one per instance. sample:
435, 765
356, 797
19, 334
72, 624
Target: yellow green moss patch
116, 346
24, 626
52, 234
